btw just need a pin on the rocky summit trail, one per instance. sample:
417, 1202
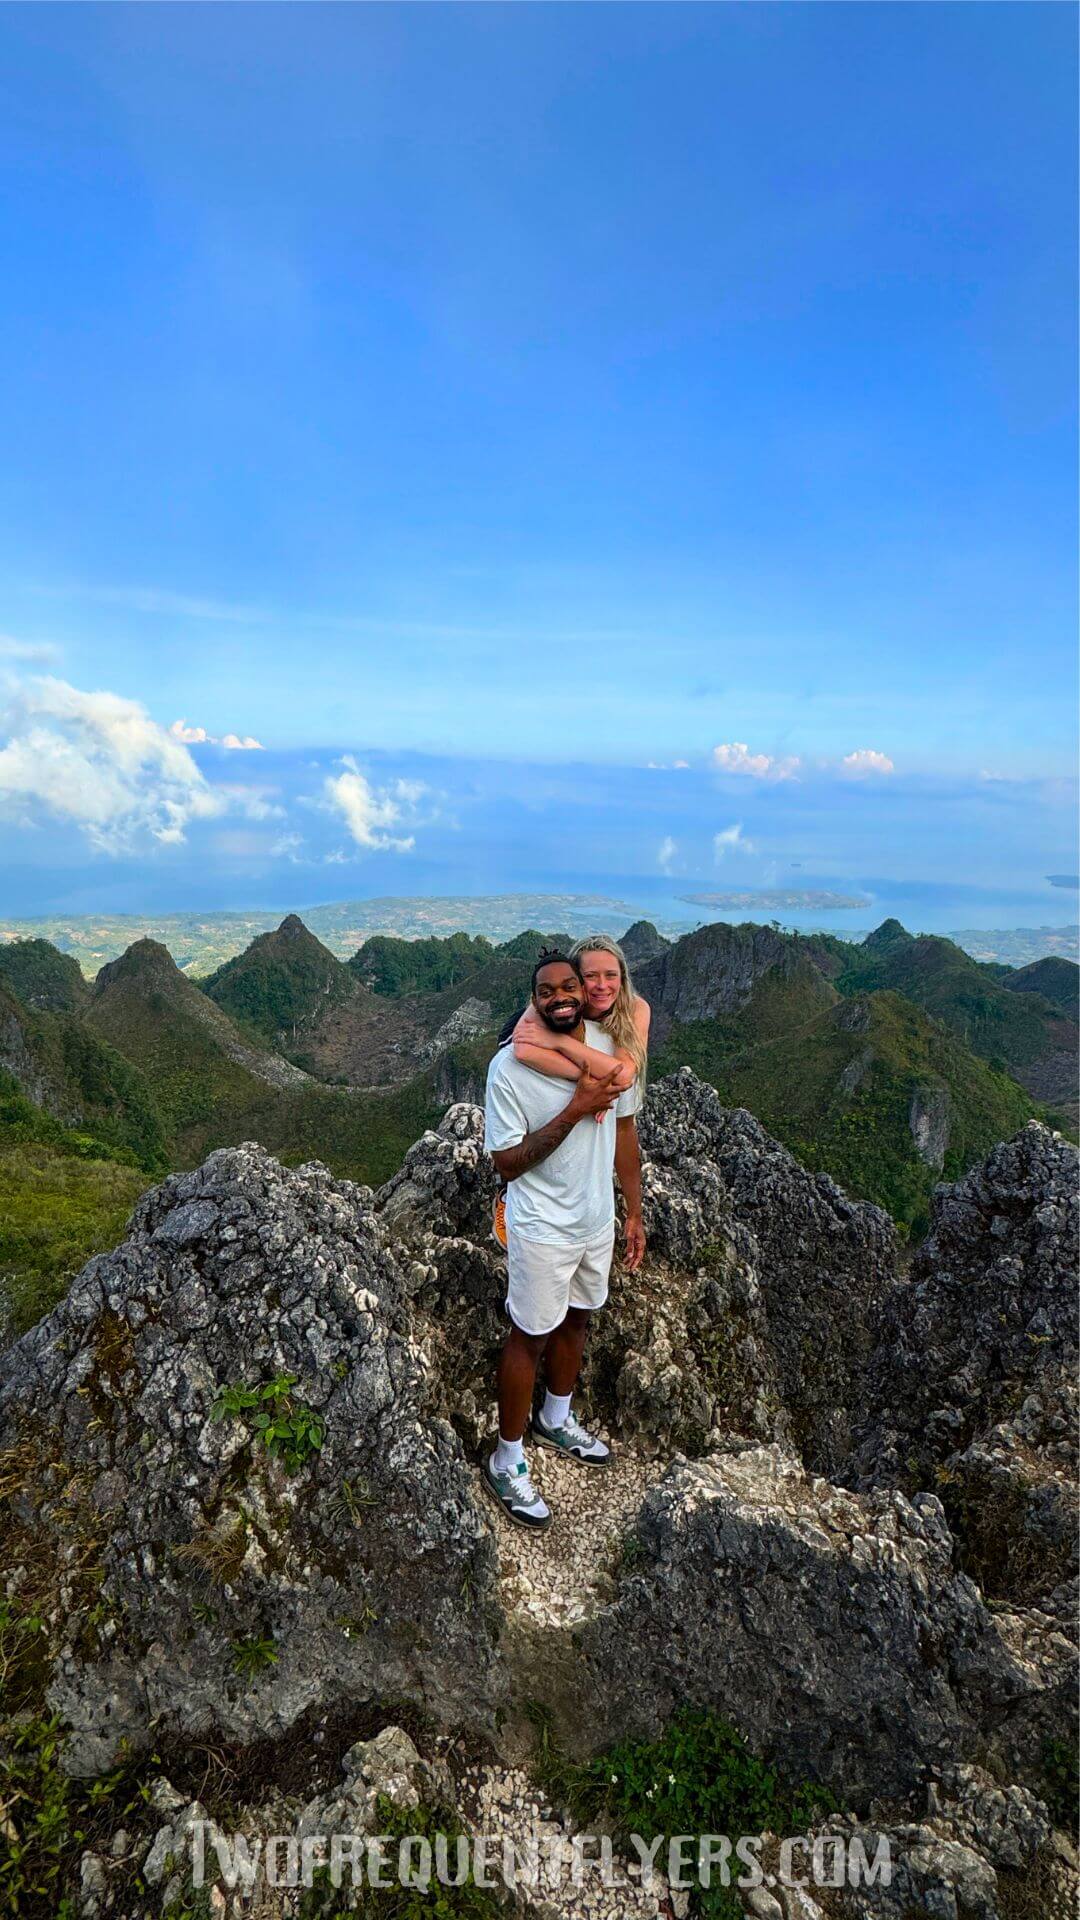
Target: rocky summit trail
244, 1532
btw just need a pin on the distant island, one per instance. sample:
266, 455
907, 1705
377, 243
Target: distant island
800, 898
1070, 880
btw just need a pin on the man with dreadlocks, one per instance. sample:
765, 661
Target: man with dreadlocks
560, 1230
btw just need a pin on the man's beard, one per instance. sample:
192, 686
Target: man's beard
565, 1023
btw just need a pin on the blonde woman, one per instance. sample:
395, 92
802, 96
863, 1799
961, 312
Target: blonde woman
611, 1002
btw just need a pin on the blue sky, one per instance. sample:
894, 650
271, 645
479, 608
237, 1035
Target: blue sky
485, 408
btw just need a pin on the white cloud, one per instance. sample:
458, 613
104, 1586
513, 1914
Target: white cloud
97, 761
667, 851
251, 800
286, 844
101, 763
680, 765
369, 812
865, 760
730, 840
409, 792
734, 756
198, 737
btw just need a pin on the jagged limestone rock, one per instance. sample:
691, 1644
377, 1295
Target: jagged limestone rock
731, 1327
471, 1018
832, 1628
1011, 1500
987, 1314
821, 1263
237, 1597
928, 1121
447, 1183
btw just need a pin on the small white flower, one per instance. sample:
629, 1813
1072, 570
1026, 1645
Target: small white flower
671, 1779
614, 1779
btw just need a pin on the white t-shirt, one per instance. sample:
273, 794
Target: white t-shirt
569, 1197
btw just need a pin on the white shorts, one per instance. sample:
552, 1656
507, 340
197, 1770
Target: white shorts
544, 1279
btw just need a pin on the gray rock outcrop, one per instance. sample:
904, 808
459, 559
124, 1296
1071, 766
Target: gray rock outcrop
833, 1628
907, 1641
987, 1315
446, 1185
714, 971
234, 1595
471, 1018
821, 1264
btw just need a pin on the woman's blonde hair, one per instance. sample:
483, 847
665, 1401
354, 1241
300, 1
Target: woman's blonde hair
619, 1022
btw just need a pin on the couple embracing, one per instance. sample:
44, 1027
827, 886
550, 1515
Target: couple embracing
562, 1092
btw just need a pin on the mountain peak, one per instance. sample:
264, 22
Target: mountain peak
39, 975
643, 942
281, 983
890, 934
145, 959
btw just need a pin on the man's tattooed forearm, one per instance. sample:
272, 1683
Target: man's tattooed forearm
535, 1147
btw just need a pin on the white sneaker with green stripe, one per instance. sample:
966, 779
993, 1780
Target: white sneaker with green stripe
516, 1495
573, 1440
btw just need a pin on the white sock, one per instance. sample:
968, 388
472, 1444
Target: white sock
555, 1409
508, 1456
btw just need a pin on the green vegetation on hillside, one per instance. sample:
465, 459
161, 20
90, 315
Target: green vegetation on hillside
61, 1199
359, 1136
529, 945
837, 1089
56, 1210
41, 977
399, 967
73, 1072
1012, 1029
394, 967
191, 1078
1057, 980
280, 983
208, 1099
698, 1776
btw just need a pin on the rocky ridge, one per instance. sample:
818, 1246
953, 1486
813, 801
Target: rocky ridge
762, 1544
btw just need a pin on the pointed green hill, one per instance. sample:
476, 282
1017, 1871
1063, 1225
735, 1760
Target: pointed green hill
1023, 1032
1055, 978
281, 984
42, 977
643, 942
888, 938
197, 1063
215, 1088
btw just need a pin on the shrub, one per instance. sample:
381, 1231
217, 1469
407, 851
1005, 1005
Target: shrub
699, 1777
288, 1430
